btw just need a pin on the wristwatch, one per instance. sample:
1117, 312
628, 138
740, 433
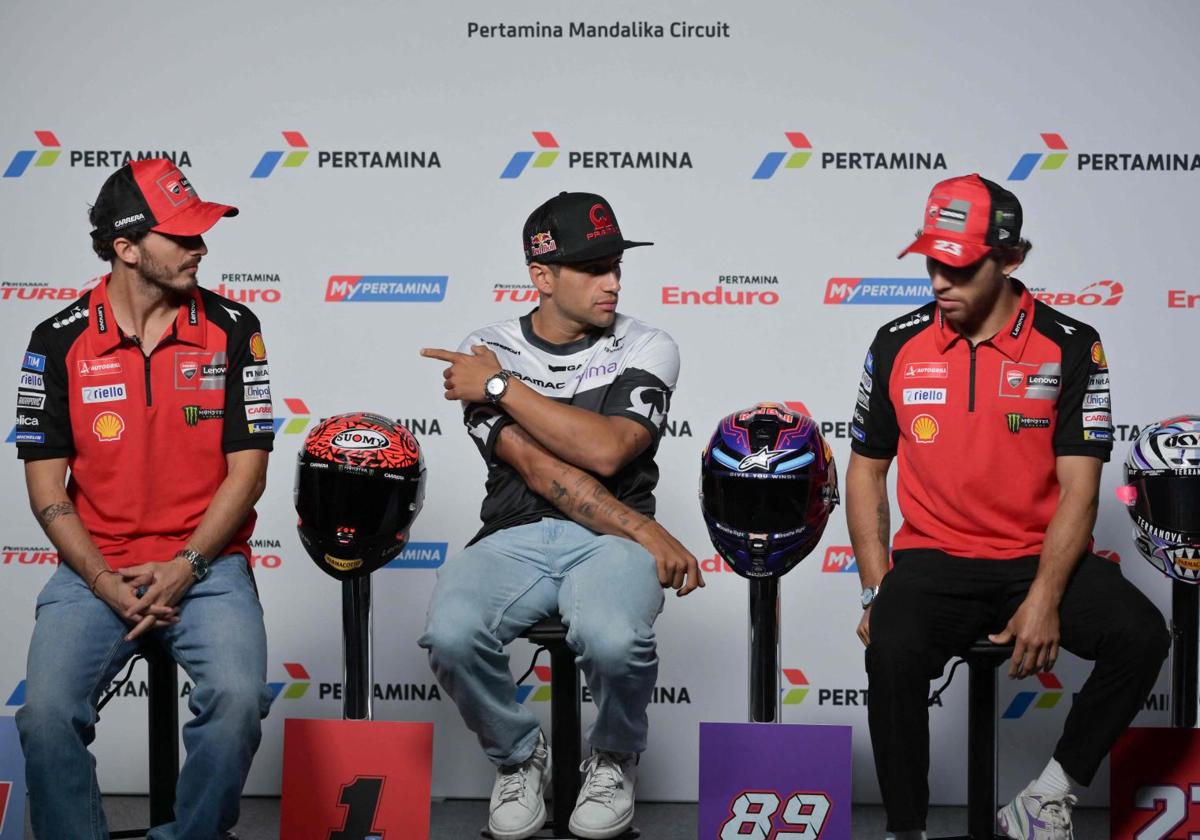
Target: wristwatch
199, 562
869, 594
495, 387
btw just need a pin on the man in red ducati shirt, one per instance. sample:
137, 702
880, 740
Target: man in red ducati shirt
153, 395
997, 408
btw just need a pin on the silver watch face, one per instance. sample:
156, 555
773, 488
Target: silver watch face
495, 385
868, 596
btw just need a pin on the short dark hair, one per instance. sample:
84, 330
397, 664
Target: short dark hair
104, 247
1007, 253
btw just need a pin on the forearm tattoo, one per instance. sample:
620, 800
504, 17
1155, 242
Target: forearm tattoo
51, 512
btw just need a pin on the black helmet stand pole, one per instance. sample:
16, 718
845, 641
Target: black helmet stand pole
356, 641
764, 650
1185, 609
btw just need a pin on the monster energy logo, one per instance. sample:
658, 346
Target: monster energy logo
193, 414
1017, 422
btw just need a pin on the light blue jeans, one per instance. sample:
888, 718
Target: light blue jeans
78, 647
605, 588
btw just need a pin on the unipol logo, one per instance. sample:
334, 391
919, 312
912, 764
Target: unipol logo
360, 439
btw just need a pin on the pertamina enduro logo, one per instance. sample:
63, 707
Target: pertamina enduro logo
386, 288
731, 290
250, 287
874, 159
1182, 299
1100, 293
548, 152
902, 291
51, 149
298, 152
1102, 161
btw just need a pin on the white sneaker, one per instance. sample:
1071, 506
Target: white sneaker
605, 804
518, 809
1034, 817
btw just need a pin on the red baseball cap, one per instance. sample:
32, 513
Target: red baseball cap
153, 195
965, 218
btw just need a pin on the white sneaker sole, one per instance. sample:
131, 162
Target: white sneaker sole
614, 830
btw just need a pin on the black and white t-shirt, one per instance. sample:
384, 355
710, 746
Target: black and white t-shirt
629, 370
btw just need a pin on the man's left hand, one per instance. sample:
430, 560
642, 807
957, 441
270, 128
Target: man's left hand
166, 584
1034, 627
467, 372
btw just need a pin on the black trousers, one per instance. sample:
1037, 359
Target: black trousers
933, 606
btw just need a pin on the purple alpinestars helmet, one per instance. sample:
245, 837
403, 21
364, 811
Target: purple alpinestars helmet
1162, 491
767, 486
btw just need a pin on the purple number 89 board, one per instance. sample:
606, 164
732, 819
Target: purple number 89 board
773, 781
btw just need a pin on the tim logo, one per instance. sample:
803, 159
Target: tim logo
297, 688
910, 291
420, 555
1046, 699
292, 159
380, 288
46, 156
839, 558
796, 158
1054, 159
541, 159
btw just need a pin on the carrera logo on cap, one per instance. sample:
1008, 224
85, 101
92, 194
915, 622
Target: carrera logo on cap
601, 221
927, 370
129, 220
176, 188
948, 247
541, 243
359, 439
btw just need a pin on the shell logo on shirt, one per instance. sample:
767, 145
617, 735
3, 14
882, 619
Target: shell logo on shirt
108, 426
925, 428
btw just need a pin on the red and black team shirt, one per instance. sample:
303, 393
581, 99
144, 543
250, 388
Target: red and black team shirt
977, 429
145, 436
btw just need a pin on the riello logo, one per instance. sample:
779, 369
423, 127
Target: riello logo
1057, 153
50, 149
298, 151
1100, 293
801, 153
548, 153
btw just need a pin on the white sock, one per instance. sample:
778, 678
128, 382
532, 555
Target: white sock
909, 835
1054, 783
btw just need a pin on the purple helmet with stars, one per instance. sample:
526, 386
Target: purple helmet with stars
767, 486
1162, 492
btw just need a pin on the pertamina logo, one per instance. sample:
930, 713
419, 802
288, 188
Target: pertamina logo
420, 555
909, 291
1100, 293
796, 688
342, 158
298, 422
85, 158
301, 681
802, 151
1046, 699
382, 288
548, 152
1103, 161
540, 691
723, 295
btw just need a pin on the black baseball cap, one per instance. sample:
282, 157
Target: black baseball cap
152, 194
965, 218
573, 227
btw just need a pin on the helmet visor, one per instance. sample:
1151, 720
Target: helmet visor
327, 500
1169, 502
768, 505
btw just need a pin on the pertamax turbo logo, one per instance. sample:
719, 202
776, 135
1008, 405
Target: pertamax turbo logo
801, 153
298, 152
548, 152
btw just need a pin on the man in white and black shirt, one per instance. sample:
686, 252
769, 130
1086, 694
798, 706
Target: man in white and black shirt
567, 405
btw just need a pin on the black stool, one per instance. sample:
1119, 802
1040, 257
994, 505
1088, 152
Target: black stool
982, 658
162, 707
565, 727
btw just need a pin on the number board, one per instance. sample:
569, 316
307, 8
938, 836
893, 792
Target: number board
1155, 787
773, 781
356, 780
12, 782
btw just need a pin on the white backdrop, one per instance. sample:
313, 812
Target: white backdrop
967, 87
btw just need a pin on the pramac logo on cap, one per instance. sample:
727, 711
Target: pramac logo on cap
601, 221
